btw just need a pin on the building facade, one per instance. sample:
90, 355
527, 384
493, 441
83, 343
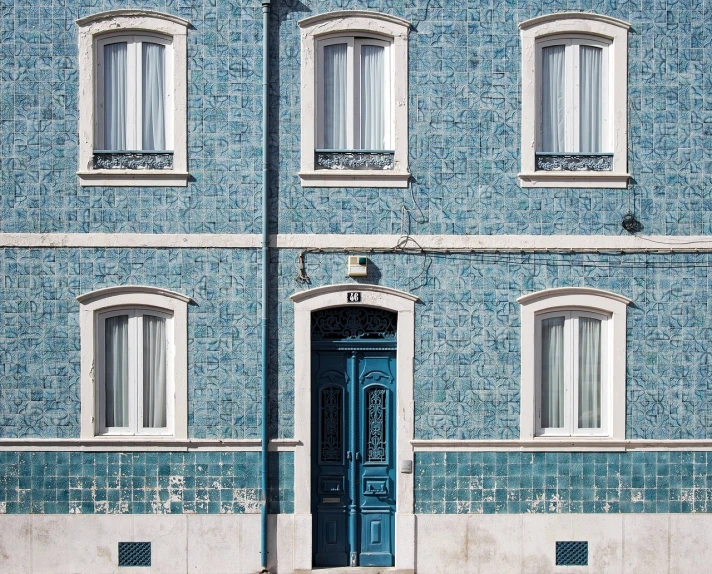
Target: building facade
488, 286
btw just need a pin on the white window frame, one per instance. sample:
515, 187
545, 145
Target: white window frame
134, 62
135, 370
94, 32
593, 29
317, 31
574, 301
571, 354
98, 305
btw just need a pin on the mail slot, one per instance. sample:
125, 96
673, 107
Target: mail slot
331, 500
375, 487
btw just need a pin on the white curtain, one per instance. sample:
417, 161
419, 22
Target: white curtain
115, 96
154, 123
372, 98
553, 101
116, 370
591, 100
589, 383
154, 372
552, 372
335, 73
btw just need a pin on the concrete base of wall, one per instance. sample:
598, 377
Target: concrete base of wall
526, 543
216, 544
210, 544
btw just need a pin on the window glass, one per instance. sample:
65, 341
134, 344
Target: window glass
115, 96
591, 98
552, 372
373, 97
154, 371
589, 373
335, 100
116, 371
553, 104
153, 97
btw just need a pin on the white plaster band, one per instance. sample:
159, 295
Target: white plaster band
562, 445
137, 444
514, 243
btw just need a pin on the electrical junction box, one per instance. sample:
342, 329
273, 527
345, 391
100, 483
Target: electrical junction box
358, 266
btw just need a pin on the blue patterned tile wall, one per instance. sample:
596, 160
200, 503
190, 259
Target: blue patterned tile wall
467, 353
467, 347
39, 333
517, 482
464, 125
141, 483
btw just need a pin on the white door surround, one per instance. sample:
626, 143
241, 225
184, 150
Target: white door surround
371, 296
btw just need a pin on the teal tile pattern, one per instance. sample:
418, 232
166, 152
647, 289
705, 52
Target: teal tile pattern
467, 359
141, 483
467, 347
560, 482
464, 124
40, 345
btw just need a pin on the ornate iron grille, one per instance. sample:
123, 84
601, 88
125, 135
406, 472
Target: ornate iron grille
376, 426
133, 160
572, 553
134, 553
331, 424
354, 323
354, 159
574, 162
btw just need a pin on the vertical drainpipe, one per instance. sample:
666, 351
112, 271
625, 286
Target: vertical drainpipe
265, 273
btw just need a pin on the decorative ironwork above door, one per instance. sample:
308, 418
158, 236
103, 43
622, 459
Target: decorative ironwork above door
354, 323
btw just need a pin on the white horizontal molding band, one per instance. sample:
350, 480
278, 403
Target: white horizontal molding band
585, 243
141, 444
563, 445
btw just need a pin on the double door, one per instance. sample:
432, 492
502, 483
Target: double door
353, 456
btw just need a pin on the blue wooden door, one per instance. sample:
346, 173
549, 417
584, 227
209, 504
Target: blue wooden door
353, 458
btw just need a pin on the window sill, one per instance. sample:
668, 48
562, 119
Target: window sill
354, 178
580, 179
133, 178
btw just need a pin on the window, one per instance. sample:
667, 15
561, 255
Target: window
133, 99
134, 371
134, 92
571, 369
354, 104
573, 364
354, 100
134, 362
574, 101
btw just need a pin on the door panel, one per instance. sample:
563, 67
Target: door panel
329, 469
353, 458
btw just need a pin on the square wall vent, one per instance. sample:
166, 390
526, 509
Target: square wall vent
134, 554
572, 553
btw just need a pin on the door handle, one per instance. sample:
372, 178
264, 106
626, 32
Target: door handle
349, 455
357, 456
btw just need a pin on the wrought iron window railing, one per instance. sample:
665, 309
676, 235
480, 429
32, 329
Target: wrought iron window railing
549, 161
132, 159
354, 159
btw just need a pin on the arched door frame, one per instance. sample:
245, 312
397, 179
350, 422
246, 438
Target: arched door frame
371, 296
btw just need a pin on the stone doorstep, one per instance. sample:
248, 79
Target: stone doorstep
356, 570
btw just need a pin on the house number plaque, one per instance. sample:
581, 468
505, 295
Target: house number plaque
353, 296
